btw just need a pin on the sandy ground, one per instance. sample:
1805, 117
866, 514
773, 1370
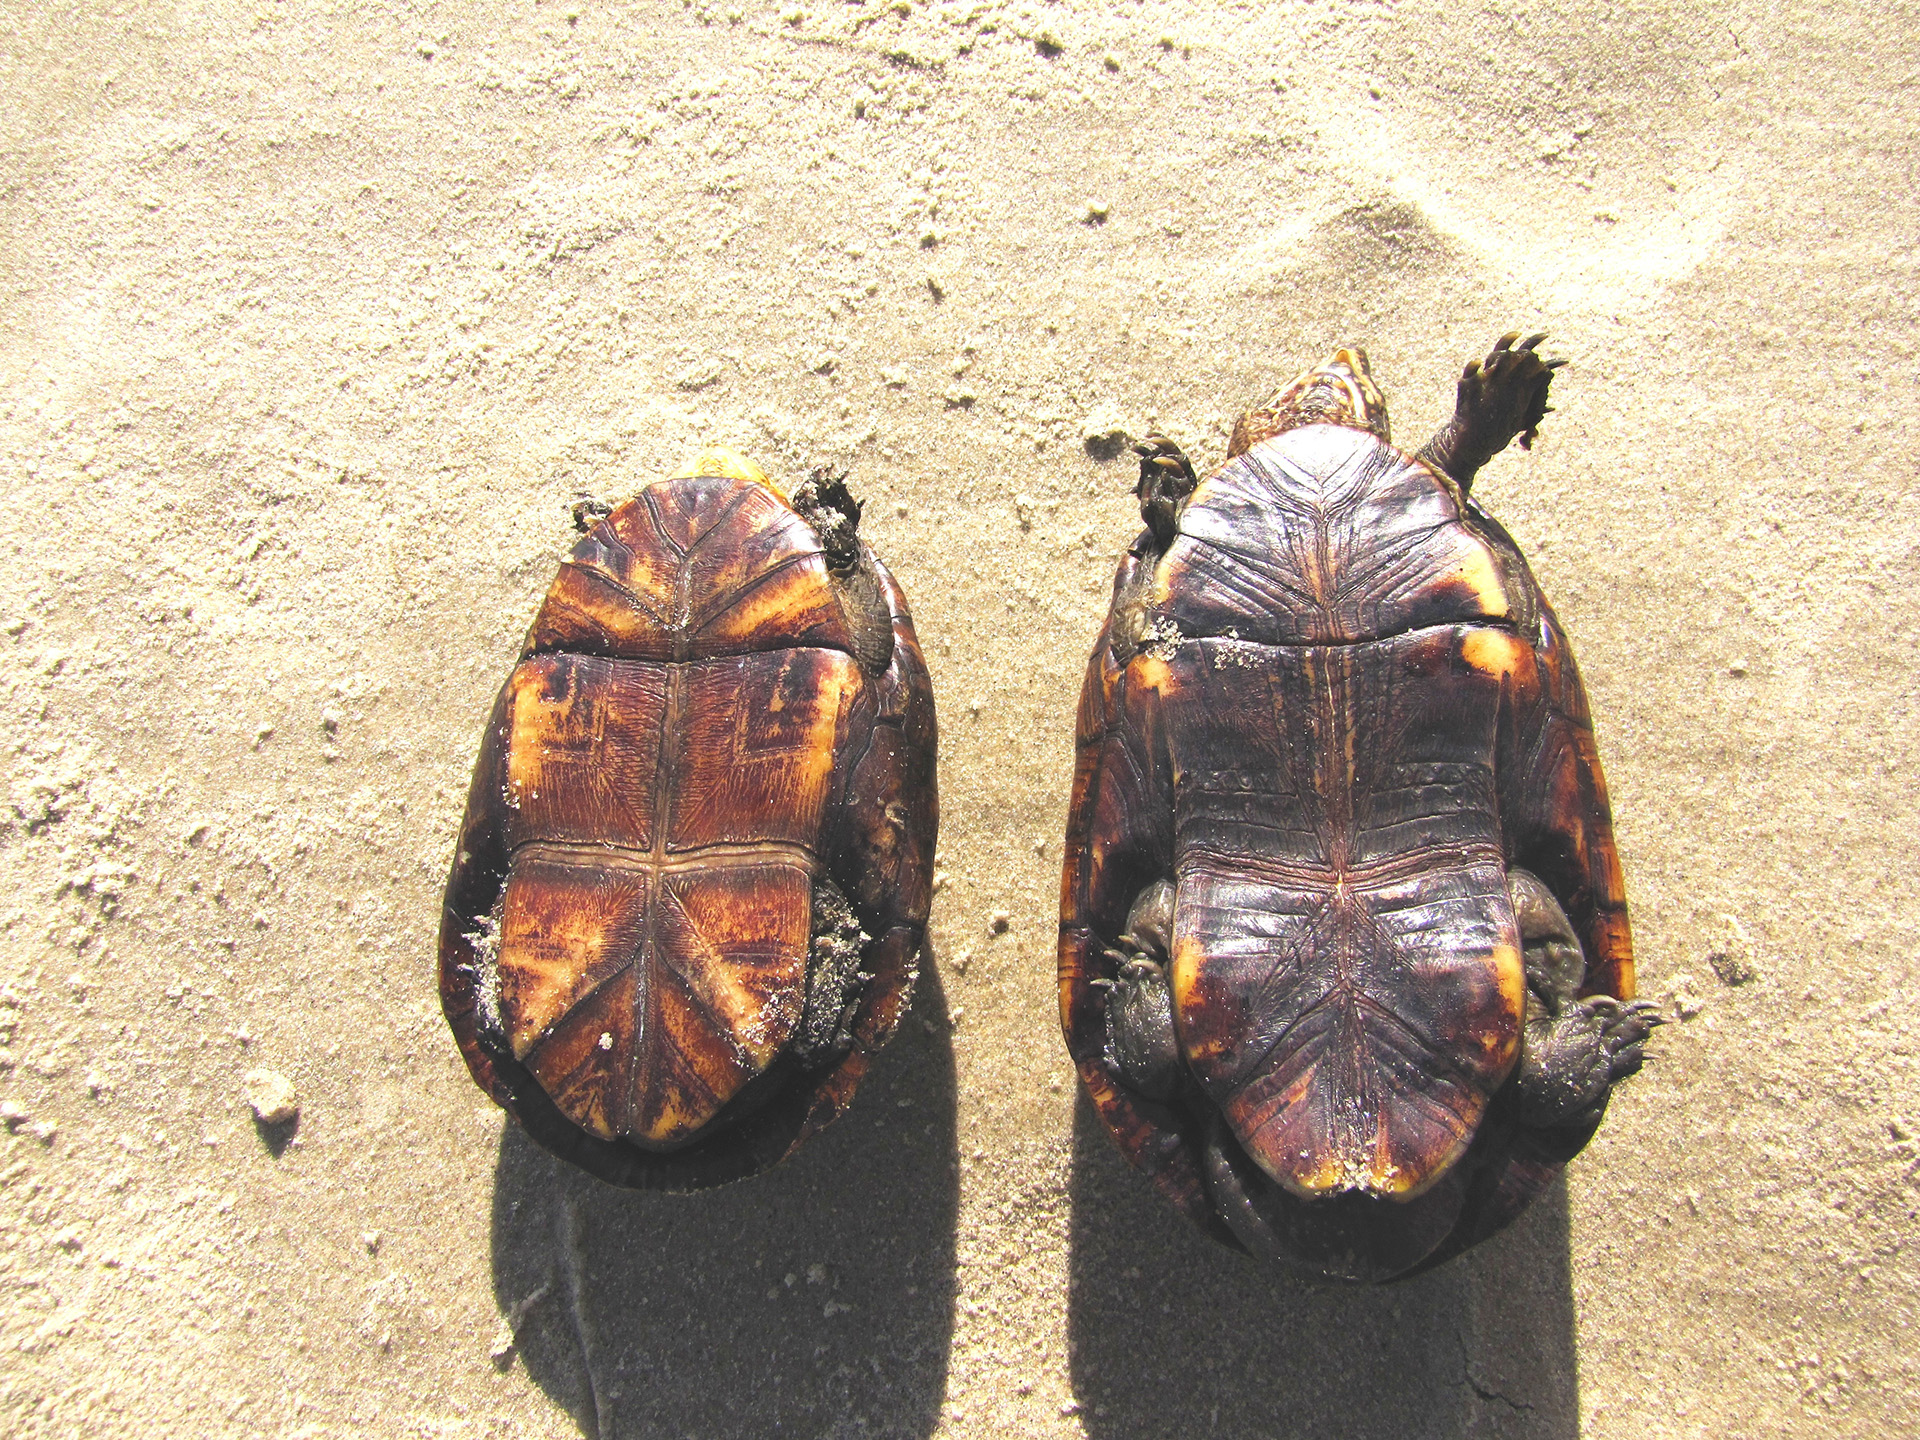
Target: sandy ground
315, 318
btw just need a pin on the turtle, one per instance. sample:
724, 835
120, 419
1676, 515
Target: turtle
690, 892
1344, 961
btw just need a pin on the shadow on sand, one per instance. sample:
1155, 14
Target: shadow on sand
1164, 1323
814, 1300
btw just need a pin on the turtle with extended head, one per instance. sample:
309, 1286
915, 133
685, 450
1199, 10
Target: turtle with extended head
1344, 961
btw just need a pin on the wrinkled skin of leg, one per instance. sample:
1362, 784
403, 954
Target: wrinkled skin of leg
1501, 398
1575, 1050
1142, 1049
836, 980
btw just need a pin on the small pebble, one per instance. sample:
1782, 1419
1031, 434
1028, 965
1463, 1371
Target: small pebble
13, 1114
1731, 954
272, 1096
1737, 667
1104, 432
999, 922
1098, 211
371, 1239
1686, 1000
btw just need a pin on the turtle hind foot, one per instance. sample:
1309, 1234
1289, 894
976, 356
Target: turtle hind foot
836, 980
1571, 1064
824, 502
1167, 478
1499, 399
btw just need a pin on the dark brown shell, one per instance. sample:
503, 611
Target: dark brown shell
1335, 711
688, 744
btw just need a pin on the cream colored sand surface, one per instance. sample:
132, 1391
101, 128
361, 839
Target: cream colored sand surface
315, 318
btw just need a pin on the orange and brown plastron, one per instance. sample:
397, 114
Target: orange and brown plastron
691, 887
1344, 960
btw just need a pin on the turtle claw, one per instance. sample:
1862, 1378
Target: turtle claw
1500, 399
1625, 1033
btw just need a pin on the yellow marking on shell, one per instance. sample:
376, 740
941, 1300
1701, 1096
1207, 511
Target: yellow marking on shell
1161, 590
1492, 652
1183, 980
1346, 371
1374, 1174
1510, 974
592, 1117
674, 1122
1480, 575
801, 590
1333, 1172
1150, 672
723, 461
534, 718
1369, 402
762, 1029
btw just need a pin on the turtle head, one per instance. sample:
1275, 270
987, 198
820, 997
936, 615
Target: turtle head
1337, 391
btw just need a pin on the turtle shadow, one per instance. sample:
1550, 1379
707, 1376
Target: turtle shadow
814, 1299
1164, 1322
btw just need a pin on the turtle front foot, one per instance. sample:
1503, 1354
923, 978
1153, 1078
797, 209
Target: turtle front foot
588, 511
1572, 1063
1499, 399
1166, 479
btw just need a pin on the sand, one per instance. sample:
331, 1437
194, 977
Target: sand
315, 320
